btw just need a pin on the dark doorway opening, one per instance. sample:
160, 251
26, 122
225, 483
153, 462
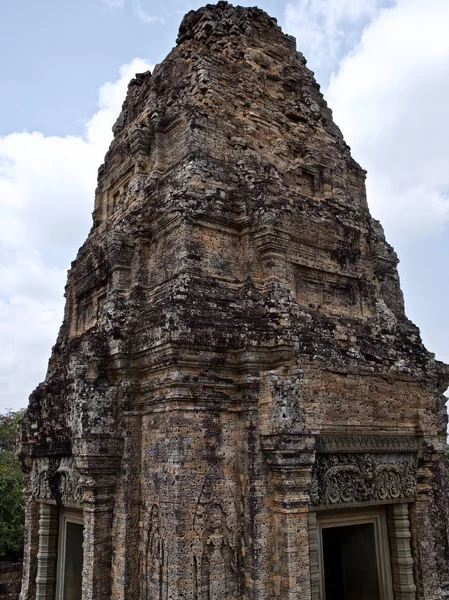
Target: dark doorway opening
350, 563
73, 567
70, 555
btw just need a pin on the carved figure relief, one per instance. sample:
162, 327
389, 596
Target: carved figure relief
39, 479
346, 478
67, 481
220, 555
155, 557
56, 479
216, 546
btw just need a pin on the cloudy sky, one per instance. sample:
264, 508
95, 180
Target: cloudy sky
383, 66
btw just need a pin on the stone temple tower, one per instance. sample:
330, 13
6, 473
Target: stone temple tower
236, 407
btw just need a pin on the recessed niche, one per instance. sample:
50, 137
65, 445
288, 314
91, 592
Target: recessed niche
116, 195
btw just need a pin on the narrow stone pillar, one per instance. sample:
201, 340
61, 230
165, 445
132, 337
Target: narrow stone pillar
47, 553
126, 580
97, 460
31, 546
431, 563
314, 557
290, 457
400, 552
97, 547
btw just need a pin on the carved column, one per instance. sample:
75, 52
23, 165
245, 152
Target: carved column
314, 557
31, 546
400, 552
47, 553
290, 457
426, 548
97, 461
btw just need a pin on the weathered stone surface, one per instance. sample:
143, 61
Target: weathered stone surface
10, 580
234, 313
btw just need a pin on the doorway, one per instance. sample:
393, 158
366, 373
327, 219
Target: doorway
70, 555
350, 565
354, 556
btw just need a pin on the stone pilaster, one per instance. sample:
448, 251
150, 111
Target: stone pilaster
290, 457
47, 553
125, 582
314, 557
30, 547
400, 552
97, 461
424, 526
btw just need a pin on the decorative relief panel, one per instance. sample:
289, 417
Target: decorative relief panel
56, 479
363, 478
155, 566
217, 539
365, 443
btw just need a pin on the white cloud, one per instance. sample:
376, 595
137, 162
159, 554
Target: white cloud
143, 15
139, 10
46, 198
390, 99
114, 3
323, 28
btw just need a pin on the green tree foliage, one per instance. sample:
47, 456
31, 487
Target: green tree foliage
11, 496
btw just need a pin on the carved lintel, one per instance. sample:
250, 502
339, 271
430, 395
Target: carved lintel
56, 479
345, 479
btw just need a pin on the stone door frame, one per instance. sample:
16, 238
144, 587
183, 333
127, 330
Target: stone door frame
66, 515
344, 517
50, 548
393, 549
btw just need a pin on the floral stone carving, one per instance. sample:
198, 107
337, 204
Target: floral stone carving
56, 479
358, 478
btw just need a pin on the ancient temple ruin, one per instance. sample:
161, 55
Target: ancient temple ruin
236, 407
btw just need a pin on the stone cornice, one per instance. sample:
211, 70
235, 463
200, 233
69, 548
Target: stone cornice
61, 447
365, 443
287, 451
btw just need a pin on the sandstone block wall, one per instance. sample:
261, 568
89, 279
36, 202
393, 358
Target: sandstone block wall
10, 580
235, 358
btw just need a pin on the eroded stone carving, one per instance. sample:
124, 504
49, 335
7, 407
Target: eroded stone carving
40, 480
215, 555
155, 557
56, 479
216, 547
355, 478
366, 443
